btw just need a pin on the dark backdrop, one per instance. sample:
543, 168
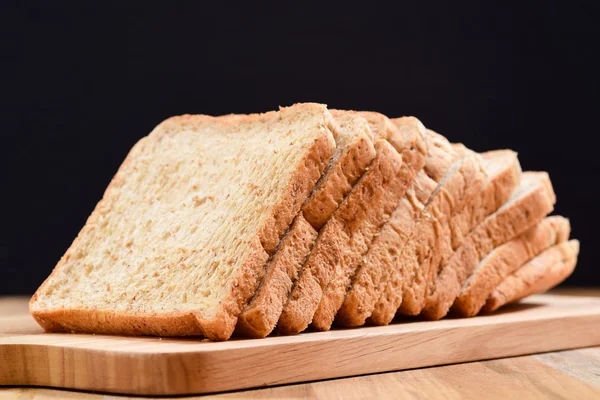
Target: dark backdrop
83, 83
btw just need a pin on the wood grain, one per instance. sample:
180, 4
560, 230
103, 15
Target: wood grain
184, 366
519, 377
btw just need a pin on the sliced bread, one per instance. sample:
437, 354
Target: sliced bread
318, 268
182, 235
413, 156
537, 276
382, 256
462, 182
503, 177
503, 174
343, 234
505, 259
260, 315
529, 203
353, 154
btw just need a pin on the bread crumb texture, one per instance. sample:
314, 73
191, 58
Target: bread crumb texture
193, 203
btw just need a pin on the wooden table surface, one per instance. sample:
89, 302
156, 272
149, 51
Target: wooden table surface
572, 374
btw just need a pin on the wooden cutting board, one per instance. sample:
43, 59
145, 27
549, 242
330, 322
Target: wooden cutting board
153, 366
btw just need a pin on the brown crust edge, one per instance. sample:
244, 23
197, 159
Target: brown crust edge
537, 281
547, 233
336, 183
306, 293
260, 316
521, 216
299, 187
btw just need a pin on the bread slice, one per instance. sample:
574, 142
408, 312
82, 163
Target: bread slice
440, 236
181, 237
378, 214
260, 315
533, 199
347, 232
382, 256
505, 259
503, 174
537, 276
503, 177
323, 259
353, 154
462, 182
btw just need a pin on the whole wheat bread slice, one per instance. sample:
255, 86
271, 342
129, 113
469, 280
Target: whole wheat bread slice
353, 154
260, 315
413, 156
181, 237
503, 174
372, 271
503, 177
341, 236
529, 204
537, 276
462, 181
505, 259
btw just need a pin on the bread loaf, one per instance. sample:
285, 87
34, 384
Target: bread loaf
304, 216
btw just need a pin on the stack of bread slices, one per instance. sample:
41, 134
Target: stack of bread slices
304, 218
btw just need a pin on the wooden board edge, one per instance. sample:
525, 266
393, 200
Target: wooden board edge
258, 366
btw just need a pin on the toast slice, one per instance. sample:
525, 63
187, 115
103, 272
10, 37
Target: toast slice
505, 259
444, 231
353, 154
260, 315
347, 232
502, 175
358, 244
537, 276
381, 257
529, 204
182, 235
462, 181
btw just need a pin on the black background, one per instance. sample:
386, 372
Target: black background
83, 83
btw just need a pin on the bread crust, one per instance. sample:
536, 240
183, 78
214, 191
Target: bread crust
413, 159
219, 326
354, 152
419, 255
509, 221
259, 317
300, 186
342, 173
537, 276
330, 245
504, 175
505, 259
377, 265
